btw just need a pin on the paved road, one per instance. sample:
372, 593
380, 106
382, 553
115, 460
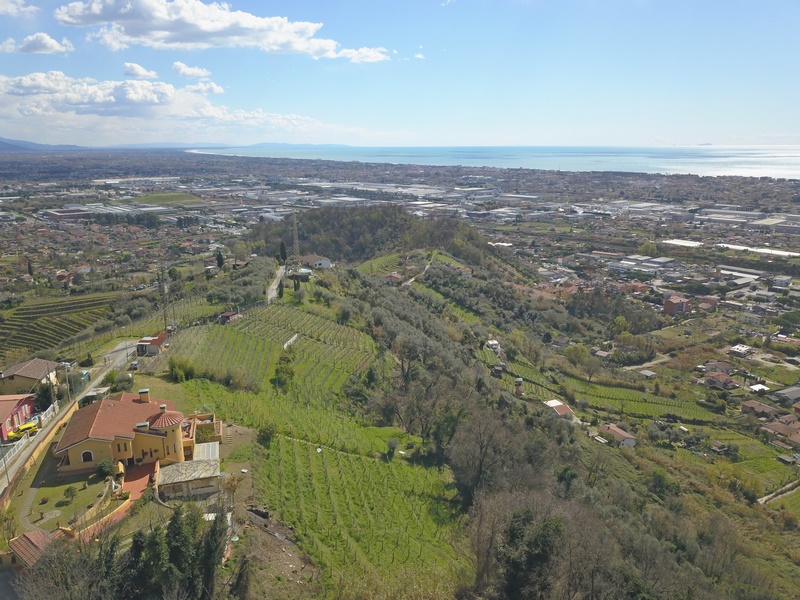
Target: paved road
272, 290
113, 359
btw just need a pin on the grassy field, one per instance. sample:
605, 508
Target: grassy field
358, 514
381, 265
167, 199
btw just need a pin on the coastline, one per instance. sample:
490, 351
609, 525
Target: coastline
776, 162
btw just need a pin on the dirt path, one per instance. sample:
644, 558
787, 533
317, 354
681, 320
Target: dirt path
659, 359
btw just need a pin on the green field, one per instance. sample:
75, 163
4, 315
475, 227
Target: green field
357, 514
381, 265
167, 199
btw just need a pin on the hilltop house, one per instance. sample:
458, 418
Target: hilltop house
561, 409
23, 377
622, 437
152, 345
719, 380
15, 409
313, 261
131, 429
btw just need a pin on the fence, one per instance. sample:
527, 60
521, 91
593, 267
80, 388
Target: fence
10, 451
47, 415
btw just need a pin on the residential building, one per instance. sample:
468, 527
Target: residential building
622, 437
152, 345
561, 409
130, 429
24, 377
677, 305
759, 409
313, 261
15, 409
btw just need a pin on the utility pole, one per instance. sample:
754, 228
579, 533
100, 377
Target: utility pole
295, 241
162, 280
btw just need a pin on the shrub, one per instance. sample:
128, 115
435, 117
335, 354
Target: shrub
70, 493
105, 467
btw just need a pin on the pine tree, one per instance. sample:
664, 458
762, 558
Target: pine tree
284, 256
181, 552
211, 552
241, 584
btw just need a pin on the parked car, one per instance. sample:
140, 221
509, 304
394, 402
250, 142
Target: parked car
30, 428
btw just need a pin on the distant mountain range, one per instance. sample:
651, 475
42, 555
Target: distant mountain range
8, 145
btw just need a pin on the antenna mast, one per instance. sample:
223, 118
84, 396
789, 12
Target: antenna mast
295, 241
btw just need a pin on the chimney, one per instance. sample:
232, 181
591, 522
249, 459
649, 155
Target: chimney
144, 395
163, 408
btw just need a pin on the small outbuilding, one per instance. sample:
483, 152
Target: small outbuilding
192, 479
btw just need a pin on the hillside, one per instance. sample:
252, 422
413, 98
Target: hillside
403, 436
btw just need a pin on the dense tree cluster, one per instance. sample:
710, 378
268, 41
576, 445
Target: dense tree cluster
182, 560
246, 285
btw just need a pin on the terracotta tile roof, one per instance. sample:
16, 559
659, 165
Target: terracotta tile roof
114, 417
36, 368
9, 403
30, 546
165, 419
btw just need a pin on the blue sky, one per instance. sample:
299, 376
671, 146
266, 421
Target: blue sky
401, 72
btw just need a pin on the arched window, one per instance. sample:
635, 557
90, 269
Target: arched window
87, 456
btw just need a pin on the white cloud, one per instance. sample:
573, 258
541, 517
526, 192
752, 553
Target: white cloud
419, 55
205, 87
86, 111
38, 43
138, 71
194, 25
16, 8
187, 71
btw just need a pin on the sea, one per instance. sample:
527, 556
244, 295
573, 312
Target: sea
747, 161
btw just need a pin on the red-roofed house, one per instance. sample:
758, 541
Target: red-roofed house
15, 409
127, 428
152, 345
561, 409
677, 305
720, 380
620, 435
29, 547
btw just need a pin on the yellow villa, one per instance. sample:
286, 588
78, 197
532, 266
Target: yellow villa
130, 429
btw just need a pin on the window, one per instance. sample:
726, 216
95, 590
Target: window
125, 445
118, 448
87, 456
167, 450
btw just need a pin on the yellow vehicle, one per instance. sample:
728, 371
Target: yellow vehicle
30, 428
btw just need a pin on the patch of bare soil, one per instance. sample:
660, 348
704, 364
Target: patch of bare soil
280, 568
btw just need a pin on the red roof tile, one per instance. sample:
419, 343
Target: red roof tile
114, 417
30, 546
9, 403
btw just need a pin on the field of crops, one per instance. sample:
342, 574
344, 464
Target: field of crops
381, 265
356, 513
636, 403
47, 323
537, 385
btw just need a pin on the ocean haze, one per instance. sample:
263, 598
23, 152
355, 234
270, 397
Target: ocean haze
746, 161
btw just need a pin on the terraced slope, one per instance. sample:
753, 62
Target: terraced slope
47, 323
